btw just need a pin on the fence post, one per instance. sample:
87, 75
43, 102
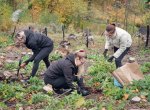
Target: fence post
45, 31
63, 29
87, 39
147, 36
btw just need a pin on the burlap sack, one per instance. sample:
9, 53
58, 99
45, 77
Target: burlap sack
127, 73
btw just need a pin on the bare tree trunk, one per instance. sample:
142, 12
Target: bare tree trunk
147, 37
103, 7
63, 30
87, 38
89, 9
116, 20
126, 16
134, 22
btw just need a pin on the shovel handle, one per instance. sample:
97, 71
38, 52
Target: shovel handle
20, 61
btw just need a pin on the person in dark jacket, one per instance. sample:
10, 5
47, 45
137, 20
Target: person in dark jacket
40, 44
62, 73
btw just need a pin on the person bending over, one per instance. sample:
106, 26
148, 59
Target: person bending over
120, 40
40, 45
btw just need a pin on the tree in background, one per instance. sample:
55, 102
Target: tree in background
70, 11
79, 13
5, 16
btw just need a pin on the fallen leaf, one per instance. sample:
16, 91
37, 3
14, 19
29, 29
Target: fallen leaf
125, 96
143, 97
96, 84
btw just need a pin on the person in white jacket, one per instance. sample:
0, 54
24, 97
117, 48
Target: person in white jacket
120, 40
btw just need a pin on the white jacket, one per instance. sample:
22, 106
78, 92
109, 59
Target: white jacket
121, 39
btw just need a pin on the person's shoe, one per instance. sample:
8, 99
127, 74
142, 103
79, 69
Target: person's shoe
59, 91
25, 81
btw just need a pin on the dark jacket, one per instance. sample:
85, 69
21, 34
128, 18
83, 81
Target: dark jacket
63, 68
36, 42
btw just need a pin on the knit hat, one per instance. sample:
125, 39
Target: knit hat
81, 53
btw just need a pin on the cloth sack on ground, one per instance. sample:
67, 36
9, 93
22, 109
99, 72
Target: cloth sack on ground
127, 73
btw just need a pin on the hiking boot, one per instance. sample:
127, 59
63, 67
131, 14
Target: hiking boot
59, 91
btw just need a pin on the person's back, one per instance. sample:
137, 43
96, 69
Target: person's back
62, 67
119, 36
37, 40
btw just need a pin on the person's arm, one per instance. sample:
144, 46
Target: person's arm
80, 82
68, 76
122, 48
31, 58
107, 43
107, 46
35, 51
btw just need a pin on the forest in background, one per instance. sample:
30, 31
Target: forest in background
76, 14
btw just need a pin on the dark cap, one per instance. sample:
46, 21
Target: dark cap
110, 28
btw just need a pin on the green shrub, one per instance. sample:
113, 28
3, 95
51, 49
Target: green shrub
11, 66
5, 18
142, 85
6, 91
5, 40
35, 81
54, 57
36, 98
145, 68
3, 106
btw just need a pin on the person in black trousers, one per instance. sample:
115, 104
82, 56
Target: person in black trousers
40, 44
121, 41
62, 73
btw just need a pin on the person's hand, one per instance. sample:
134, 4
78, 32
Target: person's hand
105, 53
110, 59
23, 65
84, 92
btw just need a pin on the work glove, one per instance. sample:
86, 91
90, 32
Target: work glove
110, 59
105, 53
82, 91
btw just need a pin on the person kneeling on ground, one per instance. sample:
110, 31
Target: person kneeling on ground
40, 45
62, 73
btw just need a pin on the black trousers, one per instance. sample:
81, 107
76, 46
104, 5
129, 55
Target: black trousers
119, 59
42, 55
60, 82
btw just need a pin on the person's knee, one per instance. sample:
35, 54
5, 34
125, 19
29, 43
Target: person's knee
36, 60
117, 60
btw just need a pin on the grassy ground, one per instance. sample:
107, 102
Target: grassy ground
104, 95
